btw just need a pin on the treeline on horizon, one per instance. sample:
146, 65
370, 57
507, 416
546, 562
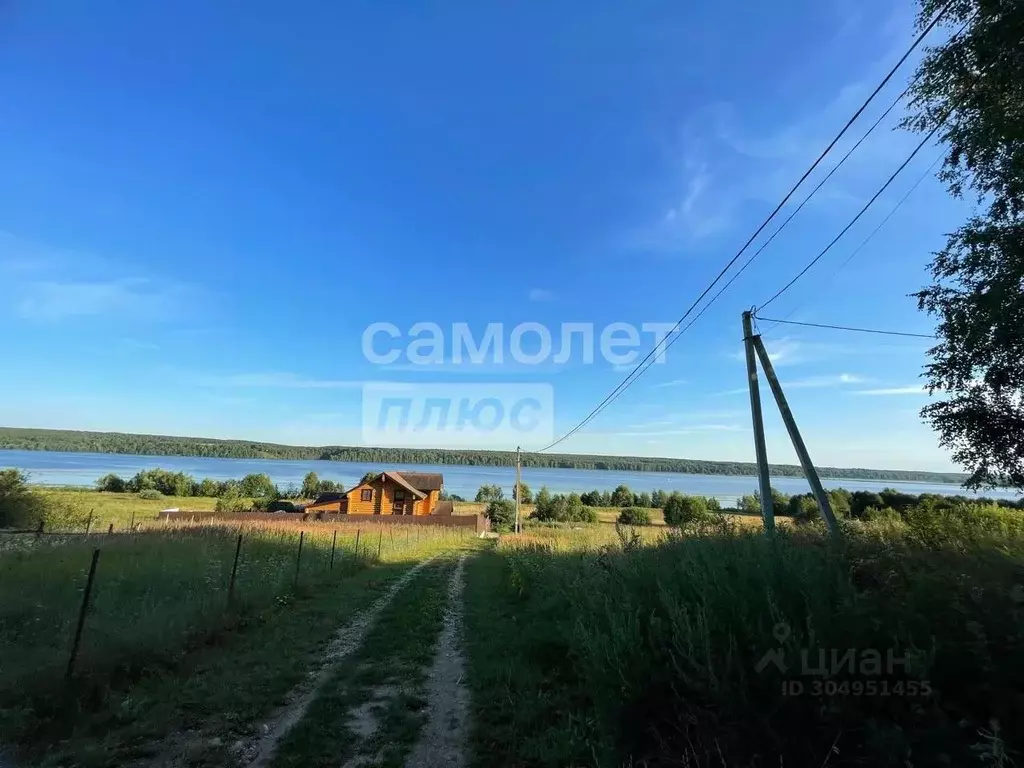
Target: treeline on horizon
14, 438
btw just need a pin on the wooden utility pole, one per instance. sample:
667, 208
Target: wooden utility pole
519, 488
763, 480
798, 442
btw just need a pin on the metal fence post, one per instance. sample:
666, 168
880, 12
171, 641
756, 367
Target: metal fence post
234, 571
358, 531
82, 612
334, 545
298, 557
131, 526
88, 524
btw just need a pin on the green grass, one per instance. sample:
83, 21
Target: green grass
386, 675
121, 508
648, 655
158, 597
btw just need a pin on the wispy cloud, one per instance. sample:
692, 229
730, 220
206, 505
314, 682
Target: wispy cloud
540, 294
52, 301
815, 382
916, 389
672, 383
275, 380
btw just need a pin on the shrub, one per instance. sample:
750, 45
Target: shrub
622, 496
162, 480
20, 506
683, 510
231, 501
150, 494
258, 486
488, 493
112, 483
634, 516
502, 514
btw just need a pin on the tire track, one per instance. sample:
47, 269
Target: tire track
260, 751
444, 738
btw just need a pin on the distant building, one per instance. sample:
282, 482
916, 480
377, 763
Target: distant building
389, 493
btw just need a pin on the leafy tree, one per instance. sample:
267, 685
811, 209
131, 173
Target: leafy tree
258, 486
634, 516
490, 493
542, 503
622, 496
501, 513
310, 486
644, 500
658, 498
751, 503
684, 510
803, 508
112, 483
840, 498
860, 501
591, 498
968, 89
367, 477
898, 500
527, 493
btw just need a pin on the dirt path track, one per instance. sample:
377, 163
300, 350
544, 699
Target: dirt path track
444, 737
259, 752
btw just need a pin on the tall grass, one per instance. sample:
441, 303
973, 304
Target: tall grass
666, 645
162, 592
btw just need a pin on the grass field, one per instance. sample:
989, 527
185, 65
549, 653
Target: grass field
900, 644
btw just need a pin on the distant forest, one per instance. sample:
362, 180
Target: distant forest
162, 445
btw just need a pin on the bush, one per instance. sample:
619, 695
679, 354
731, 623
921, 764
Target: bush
20, 506
489, 493
562, 509
634, 516
502, 514
683, 510
163, 480
258, 486
150, 494
231, 501
112, 483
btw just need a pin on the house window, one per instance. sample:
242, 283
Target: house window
399, 494
366, 494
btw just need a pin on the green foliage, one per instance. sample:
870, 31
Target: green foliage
861, 501
562, 509
208, 488
658, 498
490, 493
310, 486
150, 494
634, 516
968, 90
683, 510
368, 476
502, 514
258, 486
751, 503
644, 500
527, 494
231, 501
112, 483
622, 496
163, 480
20, 507
803, 508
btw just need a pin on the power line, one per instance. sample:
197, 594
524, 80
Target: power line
875, 231
645, 363
856, 218
848, 328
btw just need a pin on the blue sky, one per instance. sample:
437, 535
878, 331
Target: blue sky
201, 211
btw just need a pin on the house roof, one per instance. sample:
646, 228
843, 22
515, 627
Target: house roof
404, 482
324, 498
423, 481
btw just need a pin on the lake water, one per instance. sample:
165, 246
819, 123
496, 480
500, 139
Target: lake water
58, 468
